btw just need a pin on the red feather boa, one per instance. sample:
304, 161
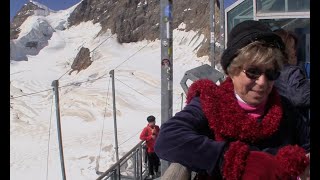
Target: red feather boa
235, 160
230, 122
292, 159
227, 119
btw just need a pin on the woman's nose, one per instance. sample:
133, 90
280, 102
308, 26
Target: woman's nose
262, 80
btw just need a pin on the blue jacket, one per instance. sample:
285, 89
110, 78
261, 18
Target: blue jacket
186, 139
294, 85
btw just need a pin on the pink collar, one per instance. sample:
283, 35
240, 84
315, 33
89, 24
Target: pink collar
227, 119
254, 111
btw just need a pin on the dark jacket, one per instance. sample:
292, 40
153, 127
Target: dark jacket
294, 85
187, 139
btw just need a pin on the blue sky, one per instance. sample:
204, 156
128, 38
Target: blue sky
15, 5
228, 2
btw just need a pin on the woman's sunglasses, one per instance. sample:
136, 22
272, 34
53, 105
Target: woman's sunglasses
255, 73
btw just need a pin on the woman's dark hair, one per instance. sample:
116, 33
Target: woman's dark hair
151, 118
286, 35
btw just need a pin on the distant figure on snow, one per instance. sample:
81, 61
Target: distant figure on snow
149, 134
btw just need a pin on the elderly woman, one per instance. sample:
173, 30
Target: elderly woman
241, 129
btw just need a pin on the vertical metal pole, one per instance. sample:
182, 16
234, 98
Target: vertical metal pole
112, 176
166, 65
181, 101
221, 26
212, 10
255, 10
140, 162
115, 174
114, 114
55, 85
118, 172
135, 162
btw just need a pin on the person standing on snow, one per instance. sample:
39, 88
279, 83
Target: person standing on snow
149, 134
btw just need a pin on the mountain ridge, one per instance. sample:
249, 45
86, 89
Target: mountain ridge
139, 22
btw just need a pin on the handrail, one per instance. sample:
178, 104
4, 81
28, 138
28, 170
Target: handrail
118, 163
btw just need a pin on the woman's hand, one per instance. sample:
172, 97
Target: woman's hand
306, 174
154, 136
154, 131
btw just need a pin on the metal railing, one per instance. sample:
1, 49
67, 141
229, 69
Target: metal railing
139, 172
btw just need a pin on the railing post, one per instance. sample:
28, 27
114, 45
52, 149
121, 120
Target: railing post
55, 85
119, 172
112, 176
140, 162
115, 174
114, 115
181, 101
135, 165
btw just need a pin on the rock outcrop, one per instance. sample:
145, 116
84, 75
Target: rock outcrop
82, 60
135, 20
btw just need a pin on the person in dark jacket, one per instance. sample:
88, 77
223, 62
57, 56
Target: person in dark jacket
241, 129
293, 82
149, 134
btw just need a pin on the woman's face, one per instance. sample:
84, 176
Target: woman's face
253, 91
291, 51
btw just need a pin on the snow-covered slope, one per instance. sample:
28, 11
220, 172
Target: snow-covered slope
85, 98
37, 30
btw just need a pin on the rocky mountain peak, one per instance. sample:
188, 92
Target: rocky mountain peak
136, 20
27, 10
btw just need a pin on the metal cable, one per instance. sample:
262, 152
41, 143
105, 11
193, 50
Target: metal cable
177, 99
136, 90
30, 94
104, 116
76, 83
132, 55
100, 44
64, 74
71, 84
131, 137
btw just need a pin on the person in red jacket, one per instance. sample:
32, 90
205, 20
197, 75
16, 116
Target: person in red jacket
149, 134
